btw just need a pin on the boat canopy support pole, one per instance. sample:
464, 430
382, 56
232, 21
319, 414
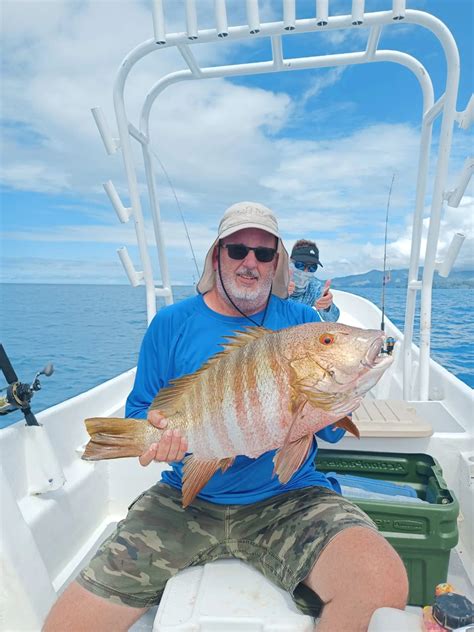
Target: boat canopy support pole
445, 140
413, 285
165, 291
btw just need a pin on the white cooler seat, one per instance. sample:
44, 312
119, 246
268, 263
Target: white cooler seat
230, 596
227, 596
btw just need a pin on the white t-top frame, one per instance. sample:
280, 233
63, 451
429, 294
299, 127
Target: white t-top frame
445, 106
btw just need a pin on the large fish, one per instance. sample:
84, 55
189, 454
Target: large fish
265, 390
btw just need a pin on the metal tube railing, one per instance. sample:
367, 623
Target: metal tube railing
253, 17
156, 217
445, 139
191, 20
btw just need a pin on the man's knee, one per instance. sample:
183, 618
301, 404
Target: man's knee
360, 565
78, 610
384, 576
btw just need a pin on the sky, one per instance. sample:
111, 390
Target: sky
318, 146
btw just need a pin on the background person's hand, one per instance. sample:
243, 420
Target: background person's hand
326, 299
171, 447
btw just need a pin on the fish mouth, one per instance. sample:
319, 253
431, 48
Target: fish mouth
375, 356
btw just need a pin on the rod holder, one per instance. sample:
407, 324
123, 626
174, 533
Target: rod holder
453, 198
444, 267
163, 292
289, 15
322, 12
111, 144
221, 18
466, 118
134, 277
191, 20
44, 472
399, 9
123, 212
253, 16
159, 22
357, 12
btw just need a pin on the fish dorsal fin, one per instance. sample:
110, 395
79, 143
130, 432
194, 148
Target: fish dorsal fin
290, 457
168, 400
244, 337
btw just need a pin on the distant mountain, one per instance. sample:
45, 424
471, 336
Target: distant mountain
399, 278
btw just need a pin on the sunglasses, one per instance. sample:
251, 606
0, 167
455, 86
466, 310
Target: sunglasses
310, 267
240, 251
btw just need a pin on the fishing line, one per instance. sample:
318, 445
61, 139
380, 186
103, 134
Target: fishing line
232, 302
382, 325
179, 208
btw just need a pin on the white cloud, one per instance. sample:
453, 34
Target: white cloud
340, 256
454, 220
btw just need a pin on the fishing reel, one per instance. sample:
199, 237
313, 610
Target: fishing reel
18, 394
389, 345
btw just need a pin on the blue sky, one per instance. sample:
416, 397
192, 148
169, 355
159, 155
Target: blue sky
319, 146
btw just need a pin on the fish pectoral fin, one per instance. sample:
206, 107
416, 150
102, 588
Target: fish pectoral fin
289, 457
325, 401
196, 474
347, 424
112, 438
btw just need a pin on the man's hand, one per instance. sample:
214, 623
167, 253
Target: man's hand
171, 447
326, 298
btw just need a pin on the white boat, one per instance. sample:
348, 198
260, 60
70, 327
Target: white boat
57, 508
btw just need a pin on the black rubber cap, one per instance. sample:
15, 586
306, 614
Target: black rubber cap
453, 611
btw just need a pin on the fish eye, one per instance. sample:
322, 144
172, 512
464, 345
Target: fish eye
326, 339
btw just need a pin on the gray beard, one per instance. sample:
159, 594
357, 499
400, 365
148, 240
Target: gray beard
247, 300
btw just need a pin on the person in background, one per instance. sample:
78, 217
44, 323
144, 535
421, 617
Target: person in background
304, 287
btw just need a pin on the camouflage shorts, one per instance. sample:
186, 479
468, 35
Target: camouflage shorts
281, 537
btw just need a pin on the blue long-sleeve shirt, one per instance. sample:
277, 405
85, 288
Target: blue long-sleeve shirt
178, 341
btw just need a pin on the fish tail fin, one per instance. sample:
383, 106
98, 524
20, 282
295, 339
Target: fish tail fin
112, 438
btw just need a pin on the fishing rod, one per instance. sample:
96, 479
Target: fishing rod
155, 155
389, 342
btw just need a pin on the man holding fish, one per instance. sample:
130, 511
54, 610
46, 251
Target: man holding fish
235, 417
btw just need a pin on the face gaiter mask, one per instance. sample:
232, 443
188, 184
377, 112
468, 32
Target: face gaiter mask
301, 278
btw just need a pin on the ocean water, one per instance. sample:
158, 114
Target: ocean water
92, 333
